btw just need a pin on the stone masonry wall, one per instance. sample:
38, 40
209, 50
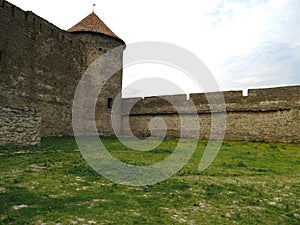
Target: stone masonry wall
271, 114
40, 66
19, 126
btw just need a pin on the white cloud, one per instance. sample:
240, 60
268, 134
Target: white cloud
274, 64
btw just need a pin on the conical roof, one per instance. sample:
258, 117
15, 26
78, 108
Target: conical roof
92, 23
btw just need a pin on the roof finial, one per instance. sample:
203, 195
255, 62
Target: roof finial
94, 7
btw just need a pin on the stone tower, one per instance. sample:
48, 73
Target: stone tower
99, 39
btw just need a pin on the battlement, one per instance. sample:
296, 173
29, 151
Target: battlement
35, 24
265, 99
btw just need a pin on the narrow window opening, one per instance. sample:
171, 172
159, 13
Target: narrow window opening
109, 103
100, 49
13, 10
41, 27
26, 16
33, 22
1, 56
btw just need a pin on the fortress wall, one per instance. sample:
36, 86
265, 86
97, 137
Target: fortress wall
271, 114
40, 67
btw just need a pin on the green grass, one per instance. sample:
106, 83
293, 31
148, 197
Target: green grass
248, 183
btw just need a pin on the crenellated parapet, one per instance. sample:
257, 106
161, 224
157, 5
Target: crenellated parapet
265, 99
35, 25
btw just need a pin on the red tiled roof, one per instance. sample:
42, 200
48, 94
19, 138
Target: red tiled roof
92, 23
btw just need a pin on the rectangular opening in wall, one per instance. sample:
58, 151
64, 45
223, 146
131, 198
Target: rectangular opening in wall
13, 10
109, 103
1, 55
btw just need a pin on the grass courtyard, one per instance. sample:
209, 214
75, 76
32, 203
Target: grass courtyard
248, 183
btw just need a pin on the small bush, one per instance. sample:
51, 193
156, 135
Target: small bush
241, 164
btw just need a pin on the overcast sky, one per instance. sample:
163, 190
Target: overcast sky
245, 43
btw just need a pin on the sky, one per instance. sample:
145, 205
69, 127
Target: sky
245, 43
